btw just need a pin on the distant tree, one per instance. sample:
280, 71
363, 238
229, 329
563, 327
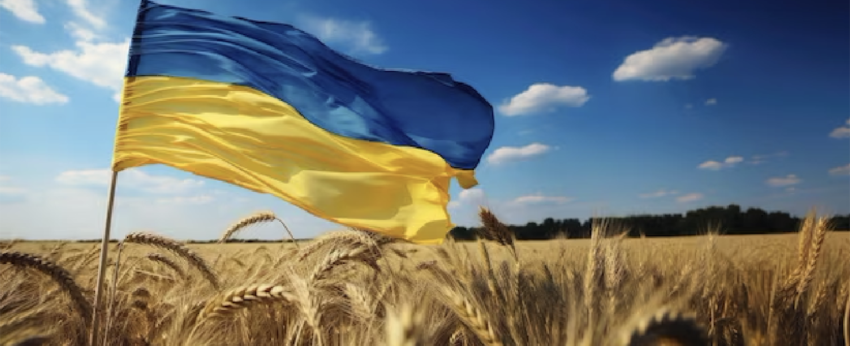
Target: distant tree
727, 220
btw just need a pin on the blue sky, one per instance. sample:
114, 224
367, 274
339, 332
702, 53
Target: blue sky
602, 108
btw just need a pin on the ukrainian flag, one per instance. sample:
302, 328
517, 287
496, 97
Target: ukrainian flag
267, 107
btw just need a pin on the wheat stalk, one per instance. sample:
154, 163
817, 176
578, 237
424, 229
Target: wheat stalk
55, 272
177, 248
253, 219
156, 257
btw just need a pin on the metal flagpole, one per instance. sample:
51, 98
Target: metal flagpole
104, 246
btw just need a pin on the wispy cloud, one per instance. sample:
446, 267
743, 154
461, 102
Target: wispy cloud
690, 197
659, 193
355, 37
509, 154
787, 180
729, 162
841, 170
540, 198
544, 97
134, 179
25, 10
841, 131
672, 58
711, 102
29, 89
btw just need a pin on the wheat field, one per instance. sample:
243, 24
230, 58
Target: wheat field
352, 287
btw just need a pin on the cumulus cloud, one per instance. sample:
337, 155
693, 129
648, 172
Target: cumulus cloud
540, 198
25, 10
690, 197
133, 179
473, 196
672, 58
729, 162
92, 60
544, 96
29, 89
841, 131
659, 193
356, 37
787, 180
508, 154
710, 102
101, 64
841, 170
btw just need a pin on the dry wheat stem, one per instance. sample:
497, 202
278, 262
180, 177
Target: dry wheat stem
55, 272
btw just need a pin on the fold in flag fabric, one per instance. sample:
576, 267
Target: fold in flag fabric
270, 108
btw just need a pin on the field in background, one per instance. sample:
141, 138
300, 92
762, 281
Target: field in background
356, 288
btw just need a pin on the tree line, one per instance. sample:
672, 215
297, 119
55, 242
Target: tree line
726, 220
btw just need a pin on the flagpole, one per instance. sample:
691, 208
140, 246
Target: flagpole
104, 246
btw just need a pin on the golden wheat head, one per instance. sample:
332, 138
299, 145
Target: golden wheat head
55, 272
177, 248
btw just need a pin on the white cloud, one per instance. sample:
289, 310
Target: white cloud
29, 89
507, 154
81, 10
101, 64
689, 106
659, 193
710, 102
25, 10
92, 60
729, 162
356, 36
132, 178
80, 32
544, 96
841, 170
691, 197
540, 198
788, 180
841, 131
672, 58
473, 196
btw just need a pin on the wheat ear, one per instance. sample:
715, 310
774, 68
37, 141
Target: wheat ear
177, 248
55, 272
253, 219
160, 258
241, 297
475, 319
